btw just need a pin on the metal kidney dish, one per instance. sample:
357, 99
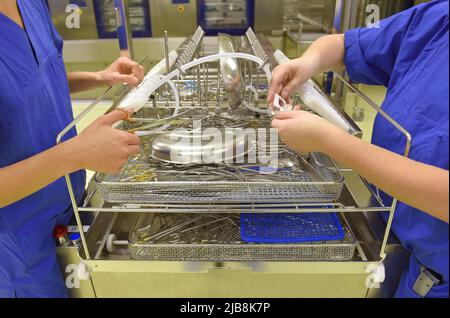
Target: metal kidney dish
205, 146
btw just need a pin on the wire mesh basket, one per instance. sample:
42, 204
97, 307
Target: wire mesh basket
144, 181
205, 104
217, 237
290, 227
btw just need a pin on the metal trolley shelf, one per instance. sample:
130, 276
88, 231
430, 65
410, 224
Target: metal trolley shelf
216, 237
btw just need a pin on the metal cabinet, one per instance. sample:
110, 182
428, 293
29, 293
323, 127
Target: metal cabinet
230, 16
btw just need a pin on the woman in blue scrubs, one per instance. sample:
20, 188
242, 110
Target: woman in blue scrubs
35, 107
409, 55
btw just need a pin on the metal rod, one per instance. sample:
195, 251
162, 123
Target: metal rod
178, 82
218, 84
405, 154
241, 209
105, 237
205, 74
349, 15
122, 11
299, 38
382, 113
77, 216
166, 54
199, 83
81, 116
245, 72
257, 87
251, 74
67, 177
166, 51
388, 229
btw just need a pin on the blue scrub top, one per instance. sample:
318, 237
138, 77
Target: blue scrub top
409, 55
35, 107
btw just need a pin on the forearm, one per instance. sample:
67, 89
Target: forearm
326, 54
82, 81
419, 185
28, 176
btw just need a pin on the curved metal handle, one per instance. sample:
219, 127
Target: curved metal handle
405, 154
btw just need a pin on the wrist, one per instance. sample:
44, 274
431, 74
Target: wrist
100, 78
71, 155
330, 139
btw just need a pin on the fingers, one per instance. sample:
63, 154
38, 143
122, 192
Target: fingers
289, 88
276, 123
286, 115
279, 77
286, 78
274, 88
126, 111
130, 139
126, 63
134, 150
114, 116
281, 125
131, 68
118, 115
130, 79
138, 72
282, 118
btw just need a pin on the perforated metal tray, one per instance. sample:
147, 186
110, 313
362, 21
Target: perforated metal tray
137, 184
216, 237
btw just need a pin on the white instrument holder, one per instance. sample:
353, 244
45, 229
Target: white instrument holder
280, 105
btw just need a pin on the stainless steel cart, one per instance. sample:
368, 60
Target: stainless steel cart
111, 263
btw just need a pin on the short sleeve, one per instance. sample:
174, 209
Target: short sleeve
372, 54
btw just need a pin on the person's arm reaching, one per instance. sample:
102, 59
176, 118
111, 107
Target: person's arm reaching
325, 54
100, 148
123, 70
370, 55
419, 185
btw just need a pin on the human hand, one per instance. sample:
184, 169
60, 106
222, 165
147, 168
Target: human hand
287, 77
304, 132
123, 70
102, 148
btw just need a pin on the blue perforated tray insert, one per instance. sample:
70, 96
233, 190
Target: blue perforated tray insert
290, 227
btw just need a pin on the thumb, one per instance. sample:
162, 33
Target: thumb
115, 116
291, 87
276, 123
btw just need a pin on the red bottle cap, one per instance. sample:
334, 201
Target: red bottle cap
60, 231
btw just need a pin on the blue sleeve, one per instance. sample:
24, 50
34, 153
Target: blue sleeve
371, 54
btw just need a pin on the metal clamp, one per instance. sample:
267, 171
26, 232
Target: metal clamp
425, 282
377, 275
83, 271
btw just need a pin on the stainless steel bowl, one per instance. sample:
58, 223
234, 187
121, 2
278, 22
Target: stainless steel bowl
200, 147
